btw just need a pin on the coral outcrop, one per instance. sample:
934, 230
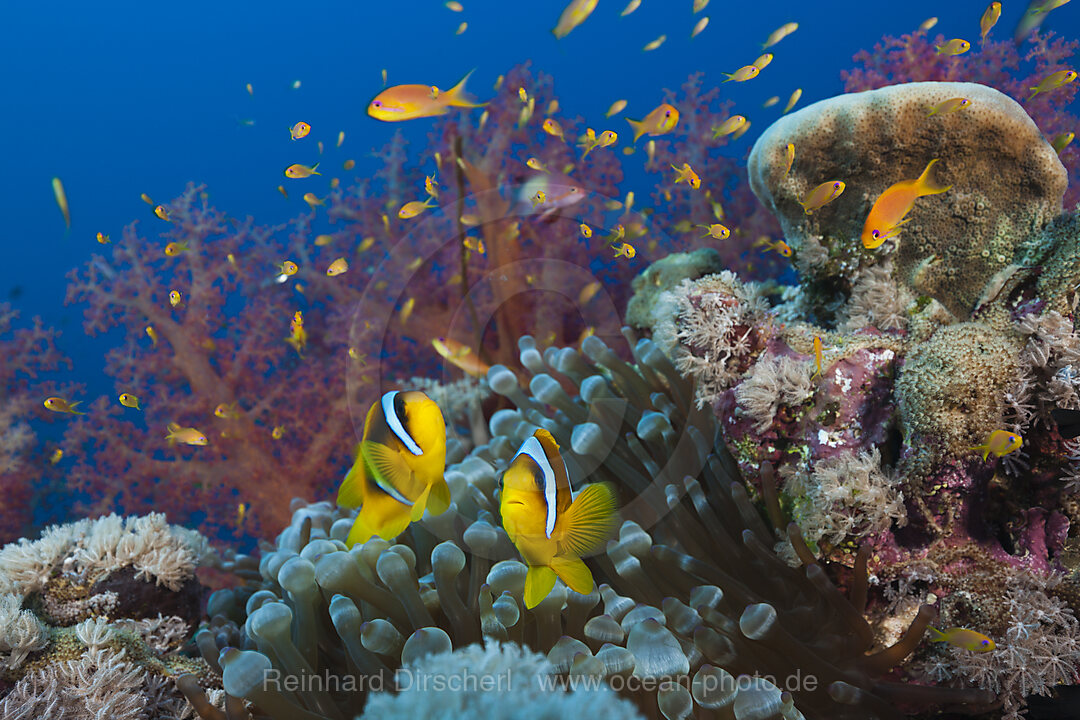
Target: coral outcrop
1007, 182
93, 619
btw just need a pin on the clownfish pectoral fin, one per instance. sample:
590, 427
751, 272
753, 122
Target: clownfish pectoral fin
420, 504
589, 522
575, 573
538, 584
389, 470
439, 499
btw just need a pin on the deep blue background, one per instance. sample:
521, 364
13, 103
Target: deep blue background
121, 98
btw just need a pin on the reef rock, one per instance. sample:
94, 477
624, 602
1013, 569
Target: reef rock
1007, 183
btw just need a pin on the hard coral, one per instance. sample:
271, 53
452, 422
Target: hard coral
1007, 182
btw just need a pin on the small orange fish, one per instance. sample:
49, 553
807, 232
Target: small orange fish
299, 130
824, 193
779, 246
186, 436
175, 248
586, 231
289, 267
727, 127
407, 102
716, 231
660, 121
746, 72
961, 637
1000, 442
625, 250
817, 356
312, 200
337, 267
989, 18
412, 209
103, 239
956, 46
61, 405
297, 334
278, 432
152, 334
1053, 81
460, 356
129, 400
790, 150
175, 298
552, 127
686, 174
893, 205
948, 106
162, 212
297, 171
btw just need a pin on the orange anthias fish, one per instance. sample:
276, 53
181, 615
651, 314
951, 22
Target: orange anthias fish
460, 356
893, 205
297, 171
823, 194
299, 130
407, 102
1053, 81
297, 334
660, 121
185, 436
61, 405
398, 472
989, 18
551, 529
963, 638
817, 356
1000, 442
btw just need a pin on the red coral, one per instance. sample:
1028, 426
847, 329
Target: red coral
999, 64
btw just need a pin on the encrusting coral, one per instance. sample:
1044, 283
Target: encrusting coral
694, 612
93, 617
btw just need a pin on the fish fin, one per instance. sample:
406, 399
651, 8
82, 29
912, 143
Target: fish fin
575, 573
538, 584
439, 499
589, 521
925, 185
456, 96
314, 168
388, 468
71, 408
638, 127
936, 635
420, 504
393, 527
361, 532
351, 492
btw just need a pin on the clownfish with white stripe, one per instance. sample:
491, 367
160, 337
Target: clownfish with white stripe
398, 472
550, 530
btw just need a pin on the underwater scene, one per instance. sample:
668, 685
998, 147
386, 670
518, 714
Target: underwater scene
631, 359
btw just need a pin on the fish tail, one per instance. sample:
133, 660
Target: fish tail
936, 635
457, 97
639, 128
538, 584
314, 168
589, 521
1037, 91
575, 573
925, 185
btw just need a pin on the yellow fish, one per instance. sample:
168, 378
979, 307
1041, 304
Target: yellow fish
61, 405
686, 174
551, 529
1000, 442
299, 130
57, 455
625, 250
61, 200
699, 26
312, 200
129, 400
771, 101
552, 127
412, 209
779, 246
103, 239
790, 150
817, 356
780, 33
175, 297
476, 245
226, 411
1053, 81
162, 212
927, 24
152, 334
175, 248
961, 637
1060, 142
616, 107
241, 513
146, 199
893, 205
535, 164
408, 102
278, 432
250, 90
763, 61
431, 187
297, 171
337, 267
699, 5
630, 7
589, 292
792, 100
297, 334
573, 15
607, 138
586, 231
455, 6
727, 127
186, 436
948, 106
461, 356
746, 72
407, 309
284, 193
1047, 6
824, 193
348, 164
655, 44
660, 121
398, 472
289, 267
716, 231
989, 18
956, 46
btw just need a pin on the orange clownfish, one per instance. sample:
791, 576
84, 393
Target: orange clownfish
551, 530
398, 472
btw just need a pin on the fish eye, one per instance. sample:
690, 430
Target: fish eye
667, 113
376, 103
875, 233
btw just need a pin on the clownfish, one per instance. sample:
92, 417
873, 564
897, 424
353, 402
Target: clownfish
550, 530
398, 472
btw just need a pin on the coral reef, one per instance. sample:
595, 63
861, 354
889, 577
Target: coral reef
93, 618
1007, 183
693, 614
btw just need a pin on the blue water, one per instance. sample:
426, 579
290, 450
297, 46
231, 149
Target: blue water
122, 98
